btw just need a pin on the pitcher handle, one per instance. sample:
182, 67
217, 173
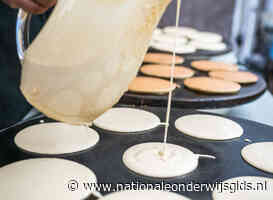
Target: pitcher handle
22, 32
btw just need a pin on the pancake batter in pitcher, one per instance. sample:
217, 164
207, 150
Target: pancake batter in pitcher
78, 67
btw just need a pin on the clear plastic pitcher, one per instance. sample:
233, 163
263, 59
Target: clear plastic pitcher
86, 55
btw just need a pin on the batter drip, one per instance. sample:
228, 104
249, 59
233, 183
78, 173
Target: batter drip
171, 80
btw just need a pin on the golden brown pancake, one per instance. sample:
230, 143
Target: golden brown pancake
238, 77
164, 71
151, 85
162, 58
206, 65
211, 85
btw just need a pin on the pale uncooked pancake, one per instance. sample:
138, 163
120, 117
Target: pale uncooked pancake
152, 42
162, 58
157, 31
180, 48
206, 65
209, 127
151, 85
211, 85
56, 138
146, 159
209, 46
259, 155
207, 37
180, 31
238, 77
164, 71
127, 120
143, 195
169, 39
44, 179
245, 188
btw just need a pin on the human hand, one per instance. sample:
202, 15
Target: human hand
32, 6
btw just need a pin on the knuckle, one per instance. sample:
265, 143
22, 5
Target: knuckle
12, 3
13, 6
37, 11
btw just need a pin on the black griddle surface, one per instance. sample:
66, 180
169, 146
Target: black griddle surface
105, 158
186, 98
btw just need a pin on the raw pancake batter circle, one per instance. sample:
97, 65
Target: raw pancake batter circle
208, 127
181, 49
207, 37
157, 31
146, 159
151, 85
238, 77
44, 179
162, 58
180, 31
209, 46
144, 195
254, 191
127, 120
259, 155
170, 39
206, 65
212, 85
56, 138
164, 71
